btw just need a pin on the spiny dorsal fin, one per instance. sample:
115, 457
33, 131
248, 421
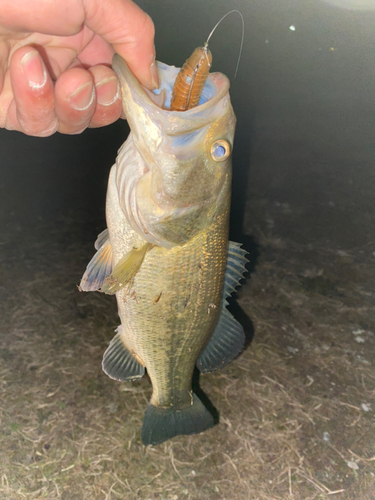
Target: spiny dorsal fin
228, 338
119, 363
99, 267
125, 269
236, 262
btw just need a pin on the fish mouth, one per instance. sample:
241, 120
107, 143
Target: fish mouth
216, 87
167, 180
157, 102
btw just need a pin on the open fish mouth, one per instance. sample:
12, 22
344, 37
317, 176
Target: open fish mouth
166, 254
166, 170
216, 86
212, 103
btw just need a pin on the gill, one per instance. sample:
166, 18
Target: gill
190, 81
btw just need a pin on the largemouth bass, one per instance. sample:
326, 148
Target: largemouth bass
166, 253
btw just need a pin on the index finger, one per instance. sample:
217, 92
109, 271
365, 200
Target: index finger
131, 32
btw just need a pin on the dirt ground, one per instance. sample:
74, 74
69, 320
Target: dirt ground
296, 408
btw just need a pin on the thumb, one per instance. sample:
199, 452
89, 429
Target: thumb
131, 32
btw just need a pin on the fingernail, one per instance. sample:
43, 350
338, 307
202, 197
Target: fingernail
107, 91
82, 97
154, 75
34, 69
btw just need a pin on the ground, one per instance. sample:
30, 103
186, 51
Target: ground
296, 407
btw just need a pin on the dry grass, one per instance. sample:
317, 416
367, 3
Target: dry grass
295, 407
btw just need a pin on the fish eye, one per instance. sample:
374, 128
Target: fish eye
220, 150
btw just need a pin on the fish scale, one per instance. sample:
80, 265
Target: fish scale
154, 331
166, 253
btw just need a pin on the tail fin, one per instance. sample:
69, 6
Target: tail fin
161, 424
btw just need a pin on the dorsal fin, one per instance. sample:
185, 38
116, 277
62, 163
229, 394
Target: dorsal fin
236, 262
228, 339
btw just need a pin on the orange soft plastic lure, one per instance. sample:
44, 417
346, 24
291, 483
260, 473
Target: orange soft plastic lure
190, 81
188, 87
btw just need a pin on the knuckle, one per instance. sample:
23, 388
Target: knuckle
68, 130
143, 30
147, 29
38, 129
42, 127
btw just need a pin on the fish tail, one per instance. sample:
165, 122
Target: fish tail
161, 424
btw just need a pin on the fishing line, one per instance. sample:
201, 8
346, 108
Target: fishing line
242, 35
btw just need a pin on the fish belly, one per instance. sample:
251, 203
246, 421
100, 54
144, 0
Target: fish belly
170, 311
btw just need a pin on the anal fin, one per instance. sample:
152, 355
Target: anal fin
119, 363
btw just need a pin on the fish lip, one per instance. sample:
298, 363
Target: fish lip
219, 81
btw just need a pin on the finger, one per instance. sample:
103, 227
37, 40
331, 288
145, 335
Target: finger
33, 93
4, 54
6, 94
54, 18
75, 100
97, 51
108, 96
131, 32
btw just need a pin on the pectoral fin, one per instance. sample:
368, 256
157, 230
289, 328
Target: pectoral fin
125, 269
99, 267
119, 363
228, 338
101, 239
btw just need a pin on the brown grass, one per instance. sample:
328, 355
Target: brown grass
291, 406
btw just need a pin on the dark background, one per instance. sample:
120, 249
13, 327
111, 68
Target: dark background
305, 142
296, 419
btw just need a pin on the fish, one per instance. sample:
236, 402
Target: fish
166, 254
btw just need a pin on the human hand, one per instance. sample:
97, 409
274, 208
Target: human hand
55, 62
